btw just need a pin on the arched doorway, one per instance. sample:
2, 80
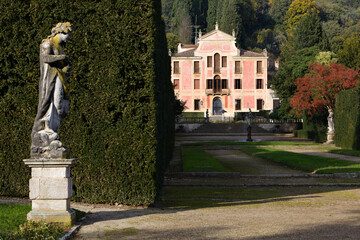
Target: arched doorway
217, 84
217, 106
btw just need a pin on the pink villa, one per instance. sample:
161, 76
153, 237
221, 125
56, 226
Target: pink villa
215, 75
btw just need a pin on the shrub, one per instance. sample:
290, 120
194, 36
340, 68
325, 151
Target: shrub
38, 231
121, 121
347, 119
314, 127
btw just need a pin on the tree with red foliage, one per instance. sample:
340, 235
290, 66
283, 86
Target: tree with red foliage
318, 88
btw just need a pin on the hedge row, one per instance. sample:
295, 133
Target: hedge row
314, 127
347, 119
121, 120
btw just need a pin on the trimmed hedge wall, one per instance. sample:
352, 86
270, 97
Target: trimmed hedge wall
347, 119
314, 127
193, 114
121, 121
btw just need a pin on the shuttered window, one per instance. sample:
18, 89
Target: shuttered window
238, 68
209, 61
176, 68
259, 67
196, 83
196, 67
224, 62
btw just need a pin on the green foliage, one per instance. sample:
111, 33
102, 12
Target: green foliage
31, 230
314, 126
309, 32
347, 119
172, 42
349, 55
325, 58
121, 120
193, 114
197, 160
11, 216
278, 10
315, 164
293, 67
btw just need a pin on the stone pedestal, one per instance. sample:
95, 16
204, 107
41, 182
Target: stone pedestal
330, 138
51, 190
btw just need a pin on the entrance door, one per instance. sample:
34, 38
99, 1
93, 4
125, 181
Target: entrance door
217, 106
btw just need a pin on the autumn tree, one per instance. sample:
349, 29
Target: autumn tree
317, 90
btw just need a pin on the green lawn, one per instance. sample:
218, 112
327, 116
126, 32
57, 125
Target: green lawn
11, 216
315, 164
246, 143
197, 160
342, 151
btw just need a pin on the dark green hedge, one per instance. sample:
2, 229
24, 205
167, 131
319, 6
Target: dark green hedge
347, 119
121, 120
314, 127
193, 114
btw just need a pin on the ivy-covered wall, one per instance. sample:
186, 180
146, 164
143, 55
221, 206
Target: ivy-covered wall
347, 119
121, 120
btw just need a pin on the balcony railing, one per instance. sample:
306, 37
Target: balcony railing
217, 91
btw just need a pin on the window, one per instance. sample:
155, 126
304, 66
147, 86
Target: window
259, 104
237, 83
217, 63
196, 67
176, 84
176, 68
209, 84
276, 103
224, 62
224, 83
238, 68
209, 61
237, 104
196, 104
259, 84
217, 84
196, 83
259, 67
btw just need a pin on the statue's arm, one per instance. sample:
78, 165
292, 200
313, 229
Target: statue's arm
47, 55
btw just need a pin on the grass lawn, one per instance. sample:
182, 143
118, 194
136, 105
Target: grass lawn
11, 216
315, 164
246, 143
197, 160
342, 151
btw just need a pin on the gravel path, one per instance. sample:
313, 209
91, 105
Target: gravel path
248, 213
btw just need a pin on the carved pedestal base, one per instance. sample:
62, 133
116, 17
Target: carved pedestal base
330, 138
51, 190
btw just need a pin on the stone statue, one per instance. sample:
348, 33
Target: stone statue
53, 103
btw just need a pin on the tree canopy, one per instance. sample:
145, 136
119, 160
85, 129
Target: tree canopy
318, 88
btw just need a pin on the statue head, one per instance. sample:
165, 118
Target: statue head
61, 28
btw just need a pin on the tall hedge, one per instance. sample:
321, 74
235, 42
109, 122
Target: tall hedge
347, 119
314, 127
121, 120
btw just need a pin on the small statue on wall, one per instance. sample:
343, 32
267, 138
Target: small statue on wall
53, 102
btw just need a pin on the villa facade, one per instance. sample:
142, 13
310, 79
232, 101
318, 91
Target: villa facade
215, 75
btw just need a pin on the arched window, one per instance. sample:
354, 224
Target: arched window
217, 63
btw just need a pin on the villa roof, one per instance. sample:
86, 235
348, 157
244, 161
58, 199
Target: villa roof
188, 53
